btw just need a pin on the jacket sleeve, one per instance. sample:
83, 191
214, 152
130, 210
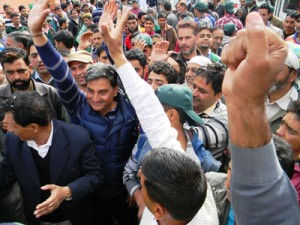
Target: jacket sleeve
151, 115
67, 88
92, 173
214, 135
260, 198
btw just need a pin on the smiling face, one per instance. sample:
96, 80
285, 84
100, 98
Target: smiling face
78, 70
100, 95
203, 95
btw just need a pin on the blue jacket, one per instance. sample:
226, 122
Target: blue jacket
113, 141
208, 162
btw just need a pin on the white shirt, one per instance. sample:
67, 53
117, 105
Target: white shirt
42, 149
159, 132
207, 215
281, 104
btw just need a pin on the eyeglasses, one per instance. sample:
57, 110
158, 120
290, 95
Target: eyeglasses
19, 71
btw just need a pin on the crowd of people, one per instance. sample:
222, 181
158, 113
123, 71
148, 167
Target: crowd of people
171, 114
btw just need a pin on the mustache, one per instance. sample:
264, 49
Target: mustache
24, 84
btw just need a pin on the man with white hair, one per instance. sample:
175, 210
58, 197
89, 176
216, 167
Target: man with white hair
282, 92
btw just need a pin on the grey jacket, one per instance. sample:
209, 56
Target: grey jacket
47, 91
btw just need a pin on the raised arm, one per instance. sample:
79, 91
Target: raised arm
148, 108
260, 191
59, 69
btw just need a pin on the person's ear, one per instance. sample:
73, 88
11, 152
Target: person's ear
159, 211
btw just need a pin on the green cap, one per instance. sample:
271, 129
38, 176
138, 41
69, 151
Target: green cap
201, 6
146, 38
229, 29
229, 7
180, 97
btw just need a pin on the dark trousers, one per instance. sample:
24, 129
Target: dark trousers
106, 210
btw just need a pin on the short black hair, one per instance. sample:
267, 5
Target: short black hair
9, 55
168, 6
5, 6
99, 4
13, 15
99, 50
63, 6
137, 54
175, 181
162, 15
141, 14
165, 69
214, 75
132, 17
265, 6
292, 14
150, 18
66, 37
21, 7
61, 21
29, 107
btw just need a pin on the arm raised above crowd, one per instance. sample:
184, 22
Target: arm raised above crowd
69, 93
261, 193
36, 19
147, 106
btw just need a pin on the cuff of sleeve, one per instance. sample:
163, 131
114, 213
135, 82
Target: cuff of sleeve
134, 189
255, 165
128, 75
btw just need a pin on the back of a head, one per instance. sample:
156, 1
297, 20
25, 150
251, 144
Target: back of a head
168, 6
175, 181
137, 54
99, 4
66, 37
29, 107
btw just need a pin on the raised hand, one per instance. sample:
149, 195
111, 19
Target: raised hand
254, 58
85, 40
112, 36
159, 52
37, 16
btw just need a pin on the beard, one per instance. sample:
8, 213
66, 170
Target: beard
276, 87
133, 30
20, 85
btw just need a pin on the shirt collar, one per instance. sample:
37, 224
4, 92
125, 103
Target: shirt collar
42, 149
285, 100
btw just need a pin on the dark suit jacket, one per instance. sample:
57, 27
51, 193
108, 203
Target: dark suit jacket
73, 163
